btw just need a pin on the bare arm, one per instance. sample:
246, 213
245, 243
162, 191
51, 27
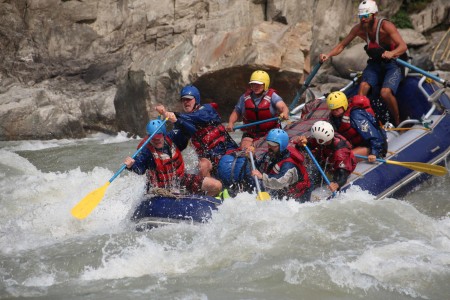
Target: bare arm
340, 47
283, 110
232, 119
395, 36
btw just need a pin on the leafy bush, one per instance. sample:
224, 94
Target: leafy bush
401, 19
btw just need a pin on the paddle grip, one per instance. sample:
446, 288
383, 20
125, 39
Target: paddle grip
365, 157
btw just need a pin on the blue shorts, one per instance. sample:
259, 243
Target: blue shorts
388, 73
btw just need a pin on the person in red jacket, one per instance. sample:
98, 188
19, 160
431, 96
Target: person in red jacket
163, 163
258, 103
330, 149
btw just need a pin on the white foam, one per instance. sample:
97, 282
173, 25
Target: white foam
37, 145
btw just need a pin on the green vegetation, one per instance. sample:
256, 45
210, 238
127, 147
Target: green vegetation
401, 18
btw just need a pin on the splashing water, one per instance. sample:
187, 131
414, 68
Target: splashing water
351, 247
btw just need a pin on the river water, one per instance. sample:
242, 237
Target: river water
353, 247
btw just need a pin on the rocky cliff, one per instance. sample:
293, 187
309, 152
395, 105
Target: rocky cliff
70, 67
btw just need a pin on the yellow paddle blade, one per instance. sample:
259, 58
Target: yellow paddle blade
87, 205
263, 196
421, 167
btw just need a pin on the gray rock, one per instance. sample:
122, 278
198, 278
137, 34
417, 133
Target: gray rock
434, 14
73, 67
413, 38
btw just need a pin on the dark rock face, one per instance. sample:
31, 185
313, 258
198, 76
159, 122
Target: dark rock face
130, 99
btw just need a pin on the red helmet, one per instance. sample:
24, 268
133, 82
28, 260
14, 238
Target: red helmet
361, 101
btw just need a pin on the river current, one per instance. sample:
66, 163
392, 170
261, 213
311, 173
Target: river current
352, 247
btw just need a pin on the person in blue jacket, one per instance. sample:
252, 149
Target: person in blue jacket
234, 171
281, 169
163, 163
356, 122
203, 125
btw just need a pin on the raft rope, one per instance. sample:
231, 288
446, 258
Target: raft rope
163, 192
166, 193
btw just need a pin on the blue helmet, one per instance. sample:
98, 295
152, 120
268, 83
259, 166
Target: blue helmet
153, 125
190, 90
278, 136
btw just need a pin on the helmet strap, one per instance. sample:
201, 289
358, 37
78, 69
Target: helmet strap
196, 106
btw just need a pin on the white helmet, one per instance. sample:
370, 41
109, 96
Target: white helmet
322, 131
367, 7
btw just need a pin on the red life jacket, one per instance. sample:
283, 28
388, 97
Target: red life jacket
207, 138
169, 167
298, 189
255, 113
338, 152
345, 128
373, 48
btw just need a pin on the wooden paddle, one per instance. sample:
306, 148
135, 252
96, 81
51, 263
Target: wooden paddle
87, 205
416, 166
318, 167
261, 195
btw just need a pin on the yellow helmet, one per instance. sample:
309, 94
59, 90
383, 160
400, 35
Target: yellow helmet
336, 100
260, 77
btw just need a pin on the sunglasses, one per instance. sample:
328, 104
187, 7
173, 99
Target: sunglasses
273, 144
364, 16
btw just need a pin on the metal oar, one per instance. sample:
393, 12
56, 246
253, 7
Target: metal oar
419, 70
256, 123
88, 203
305, 86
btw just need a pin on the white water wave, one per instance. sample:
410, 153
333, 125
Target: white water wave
37, 145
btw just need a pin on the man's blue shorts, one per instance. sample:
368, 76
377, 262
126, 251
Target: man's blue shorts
388, 73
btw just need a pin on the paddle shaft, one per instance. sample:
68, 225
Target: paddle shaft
91, 200
418, 70
305, 85
318, 167
138, 150
416, 166
258, 188
365, 157
256, 123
